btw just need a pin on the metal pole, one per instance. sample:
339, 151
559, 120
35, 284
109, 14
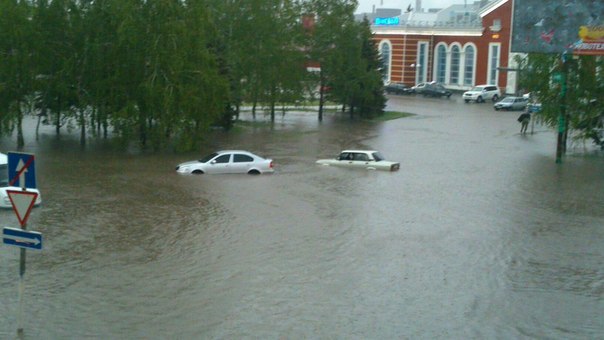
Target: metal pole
21, 283
21, 291
561, 147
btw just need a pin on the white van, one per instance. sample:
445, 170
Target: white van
4, 200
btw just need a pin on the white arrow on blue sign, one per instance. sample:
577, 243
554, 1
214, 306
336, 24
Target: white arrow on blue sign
21, 170
22, 238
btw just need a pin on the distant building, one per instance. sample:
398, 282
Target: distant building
459, 46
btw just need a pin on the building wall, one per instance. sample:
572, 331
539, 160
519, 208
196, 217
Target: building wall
496, 31
403, 56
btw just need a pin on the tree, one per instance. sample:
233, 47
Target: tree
17, 70
371, 100
350, 64
579, 81
55, 60
325, 34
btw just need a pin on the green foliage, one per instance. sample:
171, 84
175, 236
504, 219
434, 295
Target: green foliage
546, 76
16, 63
163, 72
350, 64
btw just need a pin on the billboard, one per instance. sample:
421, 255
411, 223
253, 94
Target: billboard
556, 26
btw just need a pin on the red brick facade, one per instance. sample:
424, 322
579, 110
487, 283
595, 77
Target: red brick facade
457, 57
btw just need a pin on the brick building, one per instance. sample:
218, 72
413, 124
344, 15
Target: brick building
459, 46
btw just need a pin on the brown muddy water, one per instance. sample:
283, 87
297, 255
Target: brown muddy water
480, 235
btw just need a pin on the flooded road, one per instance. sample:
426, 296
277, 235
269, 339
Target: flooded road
479, 235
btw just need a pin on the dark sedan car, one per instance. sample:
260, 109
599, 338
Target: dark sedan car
435, 90
397, 88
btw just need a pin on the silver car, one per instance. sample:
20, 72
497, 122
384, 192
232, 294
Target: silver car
511, 103
228, 162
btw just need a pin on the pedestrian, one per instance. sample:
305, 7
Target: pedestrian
524, 120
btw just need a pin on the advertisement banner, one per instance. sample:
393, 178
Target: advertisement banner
558, 26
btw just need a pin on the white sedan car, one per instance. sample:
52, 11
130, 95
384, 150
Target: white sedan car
228, 162
365, 159
4, 181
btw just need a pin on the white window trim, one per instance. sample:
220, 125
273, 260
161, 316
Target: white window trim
450, 64
490, 64
463, 64
424, 76
389, 71
436, 62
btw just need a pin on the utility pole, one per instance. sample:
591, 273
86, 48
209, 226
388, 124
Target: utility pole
562, 124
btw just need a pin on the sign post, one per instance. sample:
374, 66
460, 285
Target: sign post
21, 172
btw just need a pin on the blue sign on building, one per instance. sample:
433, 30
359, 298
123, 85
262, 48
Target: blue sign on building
386, 21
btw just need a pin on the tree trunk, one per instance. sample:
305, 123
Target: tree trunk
20, 139
254, 109
42, 114
82, 129
321, 95
58, 118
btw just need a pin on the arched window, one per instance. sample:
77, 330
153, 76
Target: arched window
385, 57
421, 69
468, 72
455, 63
441, 63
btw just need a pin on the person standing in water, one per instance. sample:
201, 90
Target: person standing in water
524, 120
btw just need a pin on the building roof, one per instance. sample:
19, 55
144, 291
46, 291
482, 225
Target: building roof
460, 17
490, 7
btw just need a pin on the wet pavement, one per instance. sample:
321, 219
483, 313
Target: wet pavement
479, 235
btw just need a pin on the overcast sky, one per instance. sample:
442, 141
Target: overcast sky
365, 6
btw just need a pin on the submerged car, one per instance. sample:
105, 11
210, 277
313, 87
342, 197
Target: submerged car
4, 185
511, 103
397, 88
365, 159
228, 162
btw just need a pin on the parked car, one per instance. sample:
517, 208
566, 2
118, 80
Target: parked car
228, 162
435, 90
397, 88
419, 88
365, 159
533, 107
4, 185
511, 104
481, 93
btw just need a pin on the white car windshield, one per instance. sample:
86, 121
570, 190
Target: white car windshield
478, 89
208, 157
377, 156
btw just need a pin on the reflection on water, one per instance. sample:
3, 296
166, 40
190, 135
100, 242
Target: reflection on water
479, 235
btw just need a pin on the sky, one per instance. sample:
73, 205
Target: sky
365, 6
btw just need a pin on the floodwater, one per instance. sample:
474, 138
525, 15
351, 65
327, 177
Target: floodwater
480, 235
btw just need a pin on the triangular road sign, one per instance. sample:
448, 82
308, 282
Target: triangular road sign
23, 202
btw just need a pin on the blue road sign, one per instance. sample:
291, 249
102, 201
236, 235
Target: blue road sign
21, 170
22, 238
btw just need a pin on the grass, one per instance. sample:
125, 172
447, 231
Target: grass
390, 115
